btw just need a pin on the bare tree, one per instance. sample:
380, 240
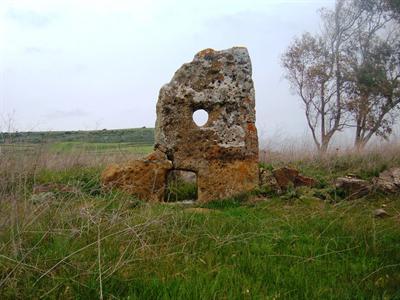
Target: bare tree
338, 29
314, 67
309, 69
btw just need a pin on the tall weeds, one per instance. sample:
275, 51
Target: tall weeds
337, 162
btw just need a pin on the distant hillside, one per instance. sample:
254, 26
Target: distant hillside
143, 136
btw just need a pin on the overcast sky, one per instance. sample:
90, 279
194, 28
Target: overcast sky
68, 65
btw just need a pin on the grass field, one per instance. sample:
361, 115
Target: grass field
111, 245
137, 141
86, 243
80, 147
108, 148
136, 135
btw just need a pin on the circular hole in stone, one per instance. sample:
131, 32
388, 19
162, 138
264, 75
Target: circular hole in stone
200, 117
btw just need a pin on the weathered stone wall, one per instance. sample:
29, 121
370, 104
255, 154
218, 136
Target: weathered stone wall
224, 152
144, 178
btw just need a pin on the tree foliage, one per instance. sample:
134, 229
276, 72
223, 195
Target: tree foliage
347, 75
393, 7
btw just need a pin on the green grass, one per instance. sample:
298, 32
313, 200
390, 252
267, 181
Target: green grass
10, 148
86, 179
180, 190
143, 136
78, 148
85, 242
132, 148
91, 243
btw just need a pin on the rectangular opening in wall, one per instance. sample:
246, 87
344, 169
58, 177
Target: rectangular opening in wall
182, 186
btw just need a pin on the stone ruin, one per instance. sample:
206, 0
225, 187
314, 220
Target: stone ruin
223, 152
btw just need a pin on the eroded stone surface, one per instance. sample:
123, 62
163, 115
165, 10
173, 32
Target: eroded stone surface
291, 177
224, 152
380, 213
268, 181
144, 178
353, 187
388, 181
